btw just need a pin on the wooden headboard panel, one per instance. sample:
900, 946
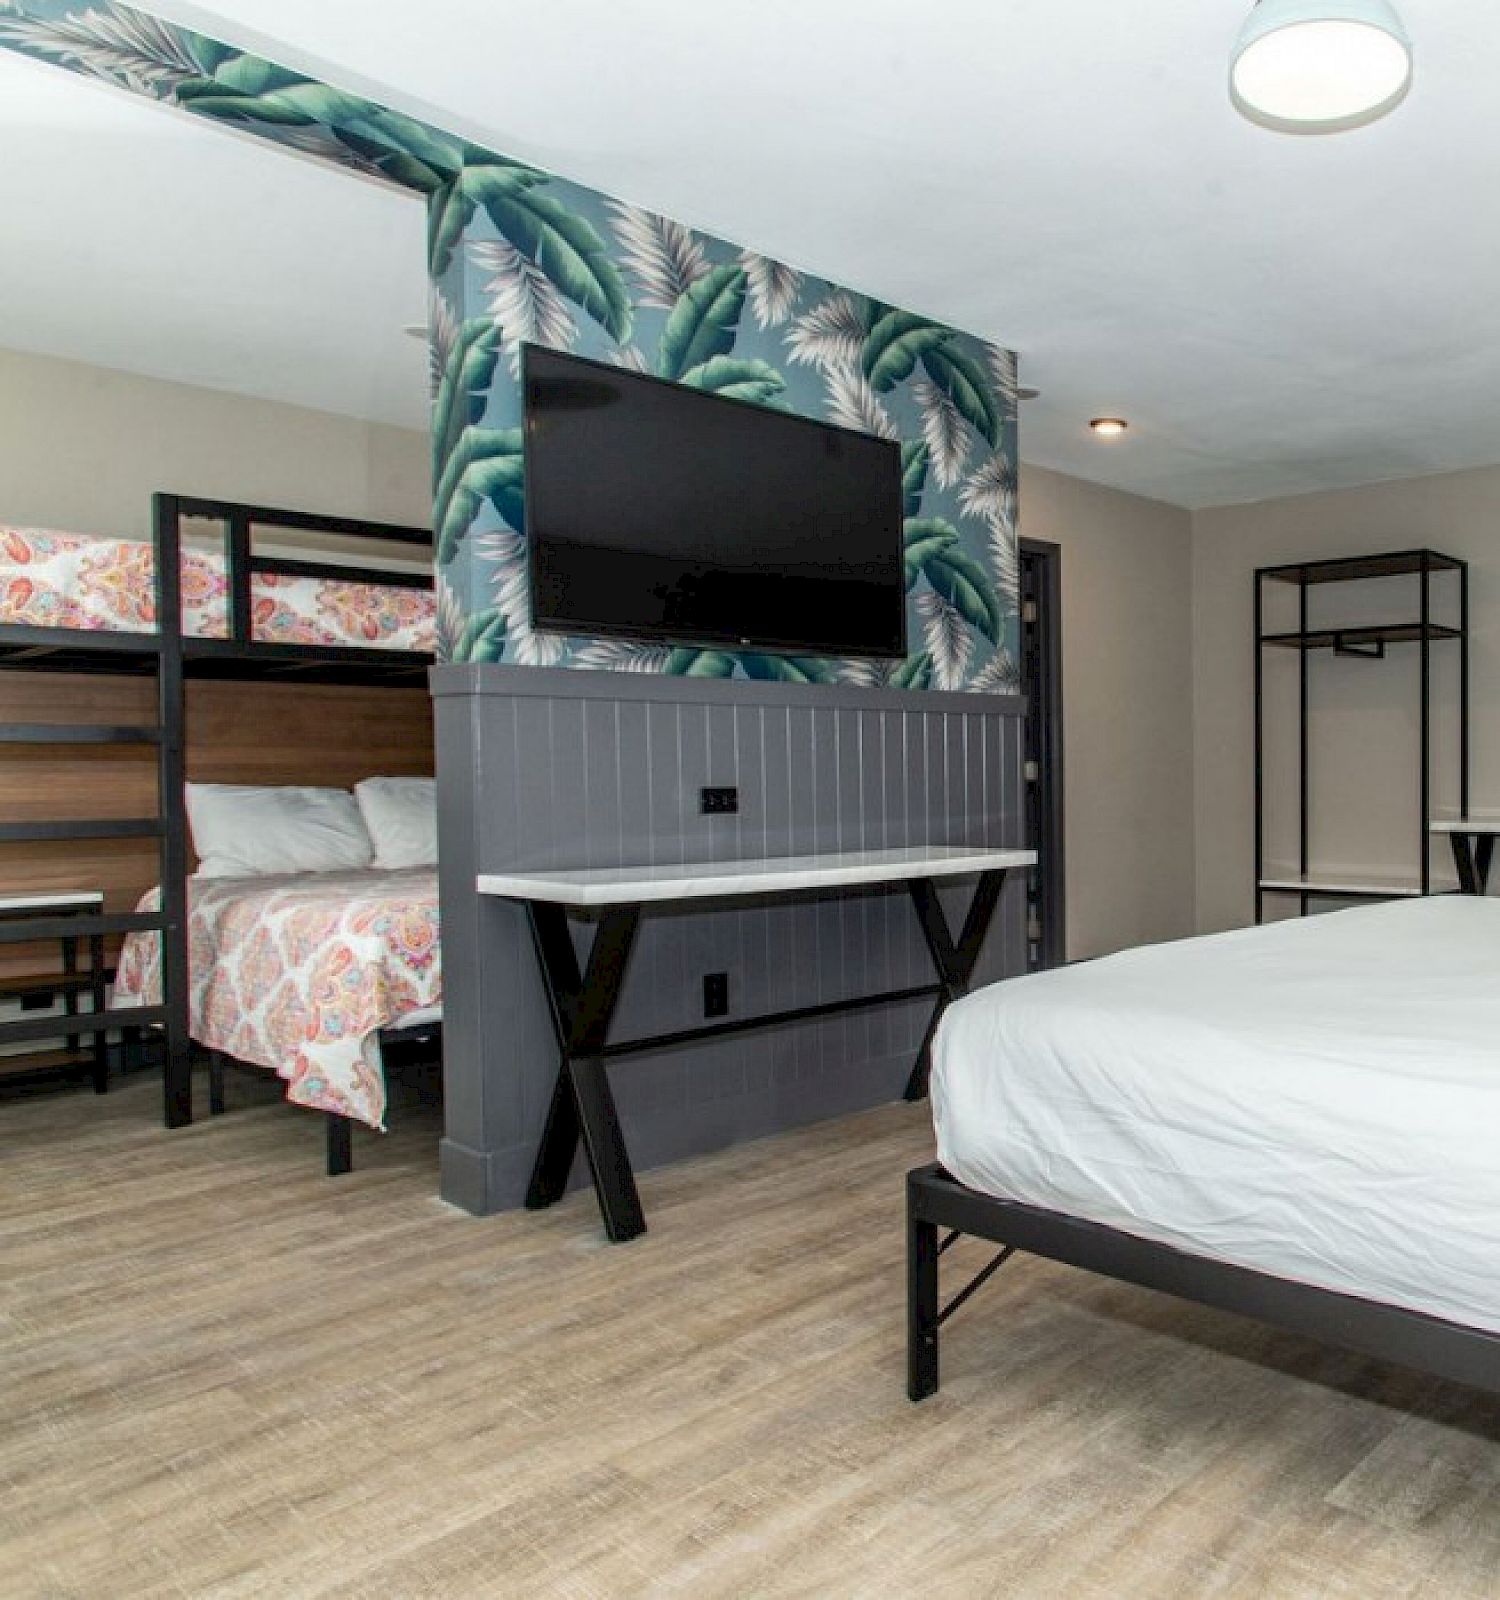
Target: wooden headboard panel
237, 732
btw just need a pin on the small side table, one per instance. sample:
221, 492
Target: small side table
74, 980
1473, 840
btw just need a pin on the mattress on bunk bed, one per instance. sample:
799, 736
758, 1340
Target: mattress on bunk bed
299, 974
69, 580
1318, 1099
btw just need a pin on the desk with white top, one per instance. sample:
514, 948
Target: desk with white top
1472, 837
583, 1003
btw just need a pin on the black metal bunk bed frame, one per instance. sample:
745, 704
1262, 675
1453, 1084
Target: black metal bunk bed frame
173, 657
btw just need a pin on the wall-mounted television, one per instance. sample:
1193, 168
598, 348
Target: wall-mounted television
661, 512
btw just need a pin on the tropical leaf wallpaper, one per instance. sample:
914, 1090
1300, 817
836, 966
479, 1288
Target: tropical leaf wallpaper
517, 255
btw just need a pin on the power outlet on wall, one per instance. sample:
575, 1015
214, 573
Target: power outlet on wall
715, 994
718, 802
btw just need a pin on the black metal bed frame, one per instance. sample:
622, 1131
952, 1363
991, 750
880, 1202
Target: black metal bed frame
937, 1201
173, 657
338, 1130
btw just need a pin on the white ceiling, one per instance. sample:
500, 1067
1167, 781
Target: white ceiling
1273, 314
137, 238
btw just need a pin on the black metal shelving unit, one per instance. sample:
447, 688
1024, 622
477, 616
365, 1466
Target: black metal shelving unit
1368, 642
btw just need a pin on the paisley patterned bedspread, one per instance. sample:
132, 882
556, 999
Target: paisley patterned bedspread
69, 580
298, 974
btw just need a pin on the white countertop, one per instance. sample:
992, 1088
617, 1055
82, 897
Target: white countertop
602, 886
31, 902
1473, 822
1395, 884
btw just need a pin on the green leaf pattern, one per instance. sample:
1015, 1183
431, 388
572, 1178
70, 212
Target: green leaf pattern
744, 378
642, 292
894, 346
925, 539
702, 324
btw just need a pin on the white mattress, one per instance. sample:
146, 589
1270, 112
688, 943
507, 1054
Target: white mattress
1318, 1099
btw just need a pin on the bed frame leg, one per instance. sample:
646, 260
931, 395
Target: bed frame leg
921, 1305
340, 1144
215, 1084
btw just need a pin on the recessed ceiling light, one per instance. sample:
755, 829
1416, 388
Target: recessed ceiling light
1320, 66
1109, 427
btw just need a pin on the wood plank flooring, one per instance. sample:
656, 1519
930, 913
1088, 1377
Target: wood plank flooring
223, 1374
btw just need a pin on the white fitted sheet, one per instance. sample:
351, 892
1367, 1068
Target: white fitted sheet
1317, 1098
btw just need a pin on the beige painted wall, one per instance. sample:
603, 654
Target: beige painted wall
1363, 714
1127, 708
83, 448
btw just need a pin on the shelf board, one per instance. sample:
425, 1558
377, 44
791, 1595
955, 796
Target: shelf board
51, 904
1361, 638
1353, 885
1473, 822
39, 1061
1350, 569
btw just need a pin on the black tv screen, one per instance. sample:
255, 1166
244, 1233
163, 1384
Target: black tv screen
658, 511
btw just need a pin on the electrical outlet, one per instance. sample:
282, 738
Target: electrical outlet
718, 802
715, 994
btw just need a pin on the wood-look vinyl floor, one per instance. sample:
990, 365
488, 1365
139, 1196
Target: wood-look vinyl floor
224, 1374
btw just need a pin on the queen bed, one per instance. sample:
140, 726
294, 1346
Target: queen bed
1300, 1121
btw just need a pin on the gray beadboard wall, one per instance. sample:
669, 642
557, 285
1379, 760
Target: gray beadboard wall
542, 767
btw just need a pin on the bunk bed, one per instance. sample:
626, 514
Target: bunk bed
174, 612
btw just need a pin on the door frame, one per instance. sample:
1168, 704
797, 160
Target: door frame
1042, 683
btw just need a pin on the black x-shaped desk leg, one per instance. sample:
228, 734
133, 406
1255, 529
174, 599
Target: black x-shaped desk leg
955, 963
582, 1104
1472, 855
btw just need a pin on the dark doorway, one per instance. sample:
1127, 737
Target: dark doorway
1041, 682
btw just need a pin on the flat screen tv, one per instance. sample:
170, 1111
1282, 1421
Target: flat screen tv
657, 511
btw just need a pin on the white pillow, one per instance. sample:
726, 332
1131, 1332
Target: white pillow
243, 831
401, 814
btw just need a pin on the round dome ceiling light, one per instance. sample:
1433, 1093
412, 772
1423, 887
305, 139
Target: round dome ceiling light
1109, 427
1320, 66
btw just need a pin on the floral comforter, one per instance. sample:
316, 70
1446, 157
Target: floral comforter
69, 580
298, 974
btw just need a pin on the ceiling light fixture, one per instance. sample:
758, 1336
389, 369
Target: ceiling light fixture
1320, 66
1109, 427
